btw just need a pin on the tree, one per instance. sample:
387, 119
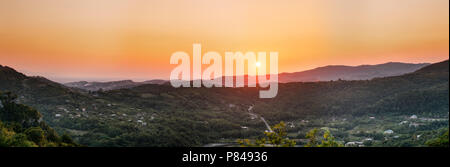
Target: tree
65, 138
36, 134
276, 138
311, 135
327, 141
7, 97
20, 140
441, 141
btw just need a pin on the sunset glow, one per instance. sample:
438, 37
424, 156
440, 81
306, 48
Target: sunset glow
134, 39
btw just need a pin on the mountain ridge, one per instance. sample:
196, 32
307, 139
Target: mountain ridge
361, 72
325, 73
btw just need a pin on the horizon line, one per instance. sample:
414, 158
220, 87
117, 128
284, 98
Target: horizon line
113, 79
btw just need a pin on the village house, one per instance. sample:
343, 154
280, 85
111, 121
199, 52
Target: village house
388, 132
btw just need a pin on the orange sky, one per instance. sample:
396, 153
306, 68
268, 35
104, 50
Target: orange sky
134, 39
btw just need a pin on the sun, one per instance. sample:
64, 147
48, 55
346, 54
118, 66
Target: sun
258, 64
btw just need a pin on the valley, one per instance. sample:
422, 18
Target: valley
404, 110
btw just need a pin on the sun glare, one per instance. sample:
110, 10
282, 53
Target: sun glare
258, 64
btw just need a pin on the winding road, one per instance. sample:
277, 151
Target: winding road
262, 118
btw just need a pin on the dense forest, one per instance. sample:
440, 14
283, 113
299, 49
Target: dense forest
22, 126
406, 110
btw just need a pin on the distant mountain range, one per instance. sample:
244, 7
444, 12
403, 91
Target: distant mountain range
327, 73
362, 72
95, 86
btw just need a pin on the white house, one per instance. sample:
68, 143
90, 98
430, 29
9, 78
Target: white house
388, 132
403, 122
368, 139
350, 144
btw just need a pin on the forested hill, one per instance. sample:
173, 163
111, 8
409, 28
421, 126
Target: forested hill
438, 67
424, 91
22, 126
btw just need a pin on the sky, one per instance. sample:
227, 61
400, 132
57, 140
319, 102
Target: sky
101, 40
